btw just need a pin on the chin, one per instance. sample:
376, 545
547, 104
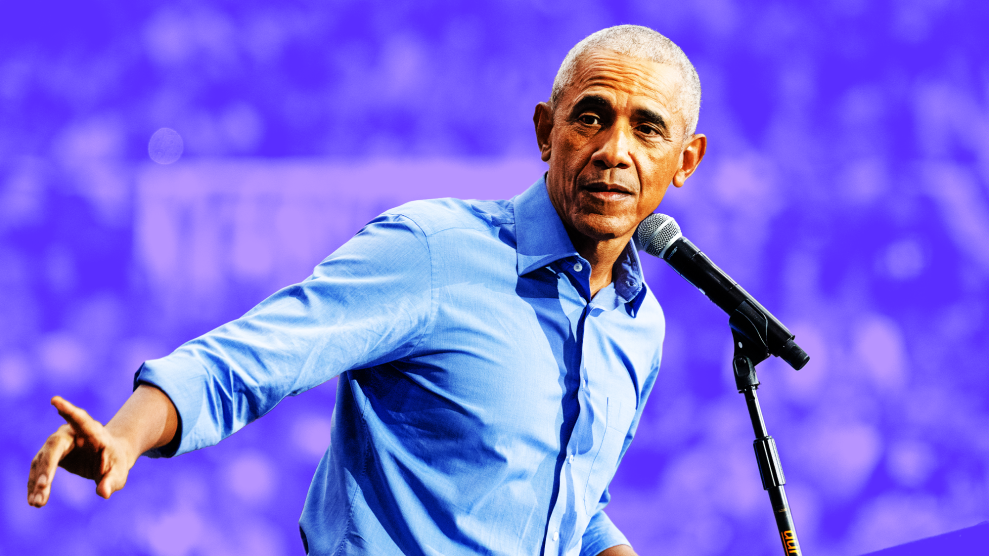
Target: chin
602, 227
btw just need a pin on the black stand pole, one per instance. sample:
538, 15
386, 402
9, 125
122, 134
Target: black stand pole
750, 350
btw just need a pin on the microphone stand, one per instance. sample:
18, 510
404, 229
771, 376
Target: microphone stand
750, 350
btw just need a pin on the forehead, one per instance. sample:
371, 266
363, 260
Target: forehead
624, 79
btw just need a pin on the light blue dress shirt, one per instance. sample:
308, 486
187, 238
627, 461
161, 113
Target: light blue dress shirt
484, 400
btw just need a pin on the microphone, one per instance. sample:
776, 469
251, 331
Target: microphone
659, 235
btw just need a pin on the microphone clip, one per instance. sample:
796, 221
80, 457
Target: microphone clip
748, 333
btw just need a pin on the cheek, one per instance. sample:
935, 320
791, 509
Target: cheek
655, 186
656, 195
570, 153
663, 170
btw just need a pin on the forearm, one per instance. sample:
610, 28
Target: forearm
147, 420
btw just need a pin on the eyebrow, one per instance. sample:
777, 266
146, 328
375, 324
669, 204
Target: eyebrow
654, 118
590, 102
600, 103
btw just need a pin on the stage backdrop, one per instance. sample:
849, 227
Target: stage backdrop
165, 166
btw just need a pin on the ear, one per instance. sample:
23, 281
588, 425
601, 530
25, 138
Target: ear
543, 120
691, 156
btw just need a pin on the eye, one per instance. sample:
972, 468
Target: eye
647, 130
589, 119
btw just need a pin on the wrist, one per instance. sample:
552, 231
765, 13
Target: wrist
147, 420
125, 443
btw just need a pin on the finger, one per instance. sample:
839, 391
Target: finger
45, 463
77, 417
47, 458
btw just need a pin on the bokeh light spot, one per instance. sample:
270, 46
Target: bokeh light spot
251, 478
175, 533
15, 374
904, 259
910, 463
63, 355
312, 435
165, 146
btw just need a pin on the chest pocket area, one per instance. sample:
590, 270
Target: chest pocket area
606, 461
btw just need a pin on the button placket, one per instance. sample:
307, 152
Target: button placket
577, 322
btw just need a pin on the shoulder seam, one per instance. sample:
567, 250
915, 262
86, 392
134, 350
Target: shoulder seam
431, 314
458, 226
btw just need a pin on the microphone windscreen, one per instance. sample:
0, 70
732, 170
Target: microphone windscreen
656, 234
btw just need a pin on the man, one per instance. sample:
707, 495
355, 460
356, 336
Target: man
495, 355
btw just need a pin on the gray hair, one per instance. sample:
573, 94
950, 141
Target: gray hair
643, 43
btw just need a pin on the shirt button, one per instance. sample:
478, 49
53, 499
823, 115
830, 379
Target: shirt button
571, 458
556, 534
577, 267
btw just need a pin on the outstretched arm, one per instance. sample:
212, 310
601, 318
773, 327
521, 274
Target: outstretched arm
104, 454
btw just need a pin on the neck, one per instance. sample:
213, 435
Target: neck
601, 254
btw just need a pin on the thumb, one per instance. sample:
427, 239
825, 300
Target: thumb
113, 481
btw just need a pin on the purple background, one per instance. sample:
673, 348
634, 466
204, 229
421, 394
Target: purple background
846, 186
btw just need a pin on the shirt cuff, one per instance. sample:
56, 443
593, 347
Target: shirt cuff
600, 535
181, 378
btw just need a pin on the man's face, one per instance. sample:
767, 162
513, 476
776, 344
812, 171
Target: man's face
614, 142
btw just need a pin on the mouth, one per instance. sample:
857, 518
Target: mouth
607, 191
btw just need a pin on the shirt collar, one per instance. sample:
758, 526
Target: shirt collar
541, 237
542, 240
627, 277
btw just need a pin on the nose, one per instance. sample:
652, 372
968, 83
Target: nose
614, 149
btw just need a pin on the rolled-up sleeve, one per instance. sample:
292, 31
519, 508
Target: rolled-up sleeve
366, 304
